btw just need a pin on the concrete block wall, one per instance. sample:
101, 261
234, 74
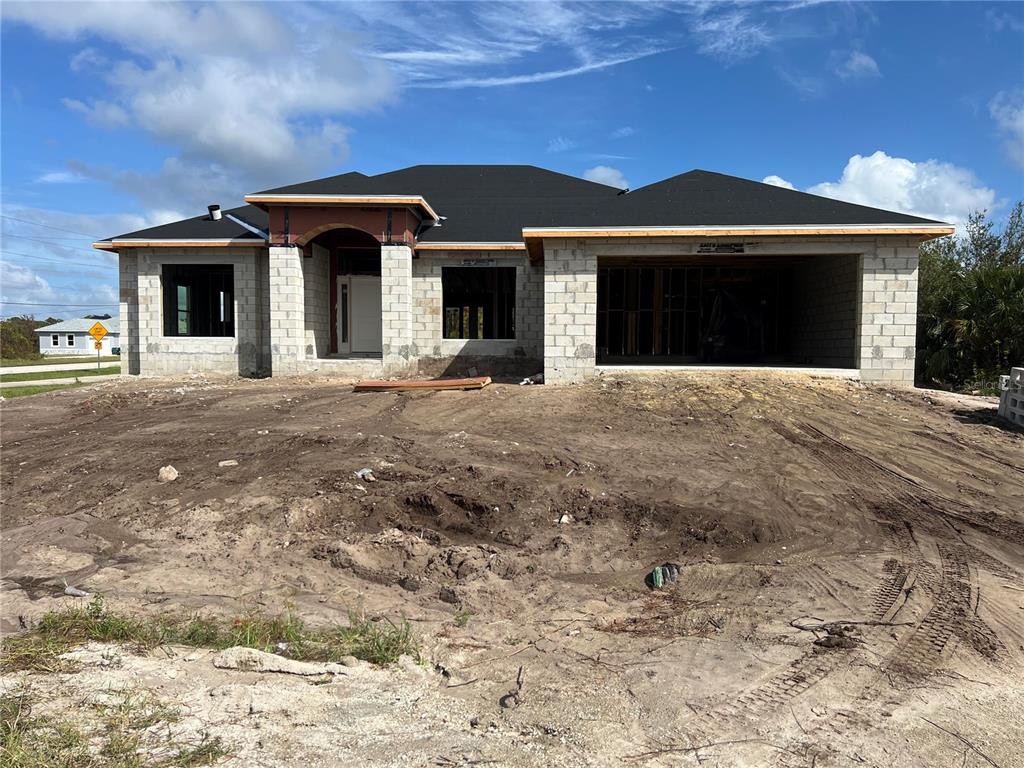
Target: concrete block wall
128, 296
316, 276
160, 354
287, 309
427, 307
570, 311
824, 309
884, 295
888, 311
397, 349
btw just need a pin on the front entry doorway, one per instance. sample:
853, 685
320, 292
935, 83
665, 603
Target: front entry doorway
359, 314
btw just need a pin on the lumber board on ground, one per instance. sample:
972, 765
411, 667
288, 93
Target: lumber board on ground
371, 385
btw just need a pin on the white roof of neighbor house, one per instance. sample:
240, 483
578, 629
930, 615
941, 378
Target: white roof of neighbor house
81, 325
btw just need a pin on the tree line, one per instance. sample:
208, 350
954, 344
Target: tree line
970, 305
18, 339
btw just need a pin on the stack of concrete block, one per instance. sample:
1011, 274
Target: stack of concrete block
1011, 400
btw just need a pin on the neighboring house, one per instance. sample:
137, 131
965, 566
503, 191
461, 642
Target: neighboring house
358, 274
71, 337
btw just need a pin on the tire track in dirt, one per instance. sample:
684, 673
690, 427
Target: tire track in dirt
895, 501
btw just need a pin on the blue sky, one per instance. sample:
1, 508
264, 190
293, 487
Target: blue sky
116, 116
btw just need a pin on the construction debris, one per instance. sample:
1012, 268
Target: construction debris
661, 575
399, 385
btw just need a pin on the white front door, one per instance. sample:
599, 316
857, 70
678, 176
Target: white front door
359, 314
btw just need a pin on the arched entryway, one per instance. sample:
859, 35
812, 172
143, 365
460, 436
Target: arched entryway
347, 261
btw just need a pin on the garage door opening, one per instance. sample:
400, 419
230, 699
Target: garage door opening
800, 311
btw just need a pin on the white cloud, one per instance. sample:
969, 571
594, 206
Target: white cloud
605, 174
1007, 109
102, 113
87, 58
561, 144
929, 188
858, 65
623, 132
214, 82
543, 76
60, 177
777, 181
808, 86
1002, 21
735, 33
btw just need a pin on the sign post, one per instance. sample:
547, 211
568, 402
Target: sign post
98, 332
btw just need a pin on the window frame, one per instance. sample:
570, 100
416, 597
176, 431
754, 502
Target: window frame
54, 339
500, 315
188, 290
71, 339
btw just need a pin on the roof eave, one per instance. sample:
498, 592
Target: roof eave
924, 231
262, 200
179, 242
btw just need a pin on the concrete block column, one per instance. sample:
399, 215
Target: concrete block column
888, 311
128, 279
570, 311
287, 309
398, 350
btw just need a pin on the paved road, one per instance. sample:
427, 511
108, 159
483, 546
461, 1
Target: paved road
84, 365
48, 382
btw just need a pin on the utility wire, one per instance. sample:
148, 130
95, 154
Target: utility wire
58, 261
48, 304
52, 240
48, 226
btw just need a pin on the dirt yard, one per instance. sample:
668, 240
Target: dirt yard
514, 527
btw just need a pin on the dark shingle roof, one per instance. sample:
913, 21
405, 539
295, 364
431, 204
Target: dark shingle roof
203, 227
698, 198
493, 203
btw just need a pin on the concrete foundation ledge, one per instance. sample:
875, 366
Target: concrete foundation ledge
852, 374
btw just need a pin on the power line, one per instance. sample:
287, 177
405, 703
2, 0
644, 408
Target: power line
52, 240
48, 226
48, 304
58, 261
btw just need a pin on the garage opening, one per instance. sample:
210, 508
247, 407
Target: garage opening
799, 311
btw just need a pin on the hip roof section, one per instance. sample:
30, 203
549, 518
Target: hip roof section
495, 203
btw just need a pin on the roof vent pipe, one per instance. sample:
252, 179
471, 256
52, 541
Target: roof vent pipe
214, 212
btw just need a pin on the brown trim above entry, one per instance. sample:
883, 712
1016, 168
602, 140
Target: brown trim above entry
376, 201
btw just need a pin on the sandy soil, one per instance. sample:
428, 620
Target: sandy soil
539, 511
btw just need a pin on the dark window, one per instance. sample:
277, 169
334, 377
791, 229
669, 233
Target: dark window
55, 340
198, 300
479, 302
71, 339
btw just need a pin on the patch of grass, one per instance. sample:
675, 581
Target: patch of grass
379, 642
462, 617
30, 741
9, 392
124, 734
43, 375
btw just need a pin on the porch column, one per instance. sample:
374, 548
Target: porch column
570, 311
397, 348
287, 307
888, 312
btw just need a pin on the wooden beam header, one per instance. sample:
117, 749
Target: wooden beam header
375, 201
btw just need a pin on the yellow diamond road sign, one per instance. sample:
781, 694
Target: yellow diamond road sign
98, 331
